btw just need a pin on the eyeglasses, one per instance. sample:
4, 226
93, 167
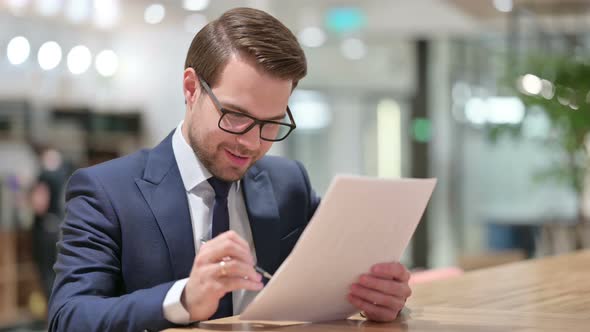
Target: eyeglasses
239, 123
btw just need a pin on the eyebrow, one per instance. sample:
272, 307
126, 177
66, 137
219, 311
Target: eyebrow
245, 111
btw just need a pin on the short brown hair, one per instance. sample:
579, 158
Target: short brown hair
251, 33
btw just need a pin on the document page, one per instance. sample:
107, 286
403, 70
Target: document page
361, 221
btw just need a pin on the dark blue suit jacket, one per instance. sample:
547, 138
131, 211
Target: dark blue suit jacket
127, 236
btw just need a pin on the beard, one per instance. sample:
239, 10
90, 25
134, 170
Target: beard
207, 155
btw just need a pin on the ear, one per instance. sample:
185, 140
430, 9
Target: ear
190, 86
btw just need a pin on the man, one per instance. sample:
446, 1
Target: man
146, 243
47, 204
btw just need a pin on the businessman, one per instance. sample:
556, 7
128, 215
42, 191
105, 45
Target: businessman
170, 235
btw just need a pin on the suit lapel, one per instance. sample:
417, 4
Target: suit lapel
264, 217
164, 192
162, 188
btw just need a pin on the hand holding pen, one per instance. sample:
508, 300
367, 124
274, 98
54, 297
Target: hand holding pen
222, 264
257, 268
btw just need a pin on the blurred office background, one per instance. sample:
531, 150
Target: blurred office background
489, 96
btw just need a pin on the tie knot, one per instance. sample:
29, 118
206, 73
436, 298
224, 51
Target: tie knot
220, 187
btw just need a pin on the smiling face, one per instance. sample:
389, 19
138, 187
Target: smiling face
241, 87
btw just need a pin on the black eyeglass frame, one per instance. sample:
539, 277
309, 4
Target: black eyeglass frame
255, 122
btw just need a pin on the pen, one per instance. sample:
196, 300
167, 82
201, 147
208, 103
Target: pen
261, 271
256, 267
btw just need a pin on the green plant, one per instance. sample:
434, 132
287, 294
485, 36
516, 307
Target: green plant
560, 88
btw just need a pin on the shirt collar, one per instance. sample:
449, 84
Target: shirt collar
192, 171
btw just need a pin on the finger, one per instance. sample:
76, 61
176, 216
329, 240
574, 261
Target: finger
218, 287
372, 311
233, 236
376, 298
233, 284
392, 270
215, 251
391, 287
236, 269
230, 236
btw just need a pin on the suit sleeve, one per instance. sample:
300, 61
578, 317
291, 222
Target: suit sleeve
88, 290
313, 198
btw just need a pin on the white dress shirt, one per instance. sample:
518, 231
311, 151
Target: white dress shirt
201, 197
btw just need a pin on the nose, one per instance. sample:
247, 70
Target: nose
251, 139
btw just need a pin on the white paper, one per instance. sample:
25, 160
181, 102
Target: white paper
360, 222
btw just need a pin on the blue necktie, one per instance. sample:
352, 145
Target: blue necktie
220, 225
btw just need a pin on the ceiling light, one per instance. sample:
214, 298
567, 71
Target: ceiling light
107, 63
504, 6
547, 89
195, 5
312, 37
16, 7
106, 13
49, 55
154, 13
18, 50
77, 11
79, 59
531, 84
353, 49
48, 7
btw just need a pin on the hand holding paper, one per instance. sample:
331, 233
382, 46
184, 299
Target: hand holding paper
360, 222
381, 294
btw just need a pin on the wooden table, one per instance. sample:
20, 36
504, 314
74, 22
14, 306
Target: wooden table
550, 294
